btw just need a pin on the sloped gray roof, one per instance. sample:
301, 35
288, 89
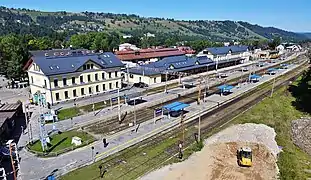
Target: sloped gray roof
180, 63
71, 63
226, 49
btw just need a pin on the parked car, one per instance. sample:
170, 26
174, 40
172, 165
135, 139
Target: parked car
140, 85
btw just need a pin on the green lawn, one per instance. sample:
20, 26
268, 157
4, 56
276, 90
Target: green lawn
61, 142
68, 113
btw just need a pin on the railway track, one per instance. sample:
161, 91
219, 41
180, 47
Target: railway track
113, 125
209, 121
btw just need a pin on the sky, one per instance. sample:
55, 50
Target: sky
285, 14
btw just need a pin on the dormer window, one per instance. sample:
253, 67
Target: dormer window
51, 67
197, 63
171, 67
57, 67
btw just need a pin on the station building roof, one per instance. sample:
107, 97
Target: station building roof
71, 61
173, 64
227, 49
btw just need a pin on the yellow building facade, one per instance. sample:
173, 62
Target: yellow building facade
74, 80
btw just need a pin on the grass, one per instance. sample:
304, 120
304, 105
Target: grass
62, 141
276, 112
68, 113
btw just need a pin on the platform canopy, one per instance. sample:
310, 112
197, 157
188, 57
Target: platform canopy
175, 106
255, 76
225, 88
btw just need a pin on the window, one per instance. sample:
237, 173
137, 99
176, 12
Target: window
110, 85
131, 76
89, 78
104, 87
82, 91
116, 74
103, 75
65, 81
139, 79
45, 84
92, 66
88, 66
96, 77
109, 74
73, 79
66, 95
84, 67
31, 80
117, 84
90, 90
155, 80
74, 92
81, 79
137, 53
57, 96
55, 83
97, 88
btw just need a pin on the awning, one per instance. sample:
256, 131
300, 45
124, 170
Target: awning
255, 76
176, 106
169, 106
225, 88
180, 107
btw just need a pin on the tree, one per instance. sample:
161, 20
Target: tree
275, 42
14, 55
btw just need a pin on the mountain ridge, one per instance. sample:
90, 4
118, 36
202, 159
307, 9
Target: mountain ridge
39, 23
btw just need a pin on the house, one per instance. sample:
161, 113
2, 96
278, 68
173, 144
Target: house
172, 68
127, 46
187, 50
67, 75
145, 56
294, 48
9, 114
218, 54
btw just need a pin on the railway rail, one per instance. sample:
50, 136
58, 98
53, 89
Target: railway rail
113, 125
209, 121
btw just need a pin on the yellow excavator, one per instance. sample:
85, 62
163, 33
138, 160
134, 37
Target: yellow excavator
244, 156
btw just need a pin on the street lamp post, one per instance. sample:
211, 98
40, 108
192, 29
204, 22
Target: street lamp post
134, 113
92, 152
119, 107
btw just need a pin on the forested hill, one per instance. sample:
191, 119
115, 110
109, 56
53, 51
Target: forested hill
25, 21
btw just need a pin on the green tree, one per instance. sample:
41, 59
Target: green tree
14, 55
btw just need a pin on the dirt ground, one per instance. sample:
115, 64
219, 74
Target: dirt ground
219, 162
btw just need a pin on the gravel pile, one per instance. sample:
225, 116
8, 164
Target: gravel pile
301, 134
253, 133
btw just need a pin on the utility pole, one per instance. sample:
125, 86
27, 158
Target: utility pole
199, 127
134, 113
12, 162
272, 87
165, 82
199, 93
182, 126
119, 107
